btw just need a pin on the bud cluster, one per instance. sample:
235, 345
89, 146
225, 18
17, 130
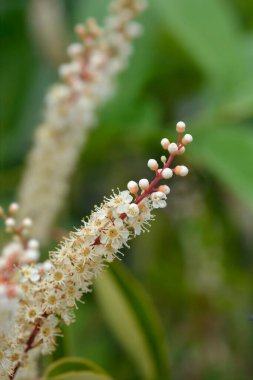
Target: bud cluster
158, 194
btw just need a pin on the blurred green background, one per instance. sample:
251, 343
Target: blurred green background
193, 63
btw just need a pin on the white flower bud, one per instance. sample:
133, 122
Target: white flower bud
152, 164
164, 189
187, 139
13, 209
27, 222
33, 244
10, 223
167, 173
75, 49
173, 148
144, 184
165, 143
133, 187
181, 150
163, 159
181, 170
180, 127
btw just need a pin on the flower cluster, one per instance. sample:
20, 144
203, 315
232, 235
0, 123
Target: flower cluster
20, 251
87, 82
51, 295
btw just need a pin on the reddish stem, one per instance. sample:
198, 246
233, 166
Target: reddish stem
29, 344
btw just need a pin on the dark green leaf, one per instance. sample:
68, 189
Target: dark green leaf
132, 317
75, 369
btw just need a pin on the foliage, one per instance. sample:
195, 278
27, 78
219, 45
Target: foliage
193, 63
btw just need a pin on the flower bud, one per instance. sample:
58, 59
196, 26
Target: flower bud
27, 223
165, 143
180, 127
167, 173
173, 148
164, 189
152, 164
181, 170
13, 208
163, 159
187, 139
181, 150
33, 244
133, 187
10, 222
144, 184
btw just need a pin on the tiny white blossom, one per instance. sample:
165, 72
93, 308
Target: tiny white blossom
158, 199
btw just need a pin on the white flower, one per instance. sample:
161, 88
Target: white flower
115, 235
121, 202
158, 199
29, 273
132, 210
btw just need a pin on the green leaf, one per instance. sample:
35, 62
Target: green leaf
132, 317
239, 105
228, 153
208, 32
90, 8
75, 369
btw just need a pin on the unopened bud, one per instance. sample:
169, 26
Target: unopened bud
164, 189
13, 208
187, 139
27, 223
181, 170
10, 222
165, 143
152, 164
180, 127
133, 187
173, 148
167, 173
144, 184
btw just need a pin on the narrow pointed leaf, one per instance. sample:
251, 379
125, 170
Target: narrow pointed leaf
75, 369
131, 316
